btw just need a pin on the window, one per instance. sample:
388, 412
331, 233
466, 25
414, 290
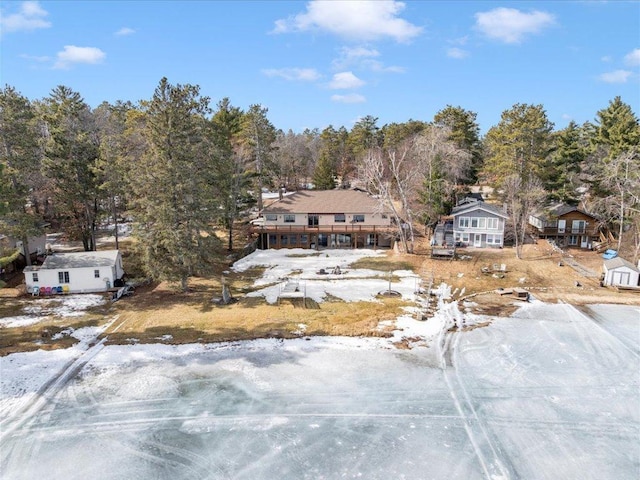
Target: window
273, 239
284, 240
463, 222
358, 218
385, 216
339, 218
492, 223
482, 223
304, 239
96, 273
578, 226
271, 217
493, 239
35, 277
289, 219
573, 239
465, 237
63, 277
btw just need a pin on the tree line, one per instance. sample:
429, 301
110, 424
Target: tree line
182, 169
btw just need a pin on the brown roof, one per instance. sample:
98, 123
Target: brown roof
326, 201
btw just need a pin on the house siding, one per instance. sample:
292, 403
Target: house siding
573, 233
478, 236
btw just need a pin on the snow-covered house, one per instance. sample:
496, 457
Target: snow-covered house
619, 272
478, 224
80, 272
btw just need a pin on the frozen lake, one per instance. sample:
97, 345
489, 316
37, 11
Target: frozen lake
552, 393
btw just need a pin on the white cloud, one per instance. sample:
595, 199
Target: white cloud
300, 74
30, 17
606, 59
455, 52
362, 58
345, 80
349, 98
617, 76
633, 57
35, 58
72, 54
510, 25
376, 66
125, 31
353, 19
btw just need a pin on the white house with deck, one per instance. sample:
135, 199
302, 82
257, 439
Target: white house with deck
78, 272
619, 272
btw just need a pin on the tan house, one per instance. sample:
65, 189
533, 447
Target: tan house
324, 219
566, 225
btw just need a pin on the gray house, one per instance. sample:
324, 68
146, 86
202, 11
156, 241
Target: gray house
478, 224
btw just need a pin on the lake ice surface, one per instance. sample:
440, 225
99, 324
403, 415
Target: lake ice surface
552, 392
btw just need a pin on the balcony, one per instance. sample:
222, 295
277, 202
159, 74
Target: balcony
346, 228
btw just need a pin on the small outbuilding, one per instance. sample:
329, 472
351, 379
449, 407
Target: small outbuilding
79, 272
619, 272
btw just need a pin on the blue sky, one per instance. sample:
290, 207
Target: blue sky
320, 63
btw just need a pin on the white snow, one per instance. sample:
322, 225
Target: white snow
351, 285
42, 308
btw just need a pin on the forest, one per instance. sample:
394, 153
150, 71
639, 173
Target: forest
181, 168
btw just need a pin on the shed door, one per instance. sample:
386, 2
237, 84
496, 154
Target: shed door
621, 278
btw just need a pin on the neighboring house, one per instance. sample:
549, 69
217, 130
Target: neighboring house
568, 226
36, 245
80, 272
9, 244
324, 219
478, 224
619, 272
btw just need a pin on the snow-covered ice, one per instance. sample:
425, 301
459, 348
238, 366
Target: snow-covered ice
552, 392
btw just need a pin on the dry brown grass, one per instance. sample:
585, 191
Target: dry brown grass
193, 317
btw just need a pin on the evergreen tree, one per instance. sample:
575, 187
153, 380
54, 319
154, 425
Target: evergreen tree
517, 149
173, 203
325, 173
232, 177
519, 144
70, 159
19, 162
465, 133
259, 136
617, 128
111, 166
562, 167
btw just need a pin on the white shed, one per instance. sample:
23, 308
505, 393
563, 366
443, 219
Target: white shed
619, 272
81, 272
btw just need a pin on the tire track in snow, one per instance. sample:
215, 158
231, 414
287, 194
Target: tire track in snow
494, 465
48, 391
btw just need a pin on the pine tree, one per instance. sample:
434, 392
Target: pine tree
562, 167
465, 133
19, 163
259, 135
173, 203
618, 128
70, 157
